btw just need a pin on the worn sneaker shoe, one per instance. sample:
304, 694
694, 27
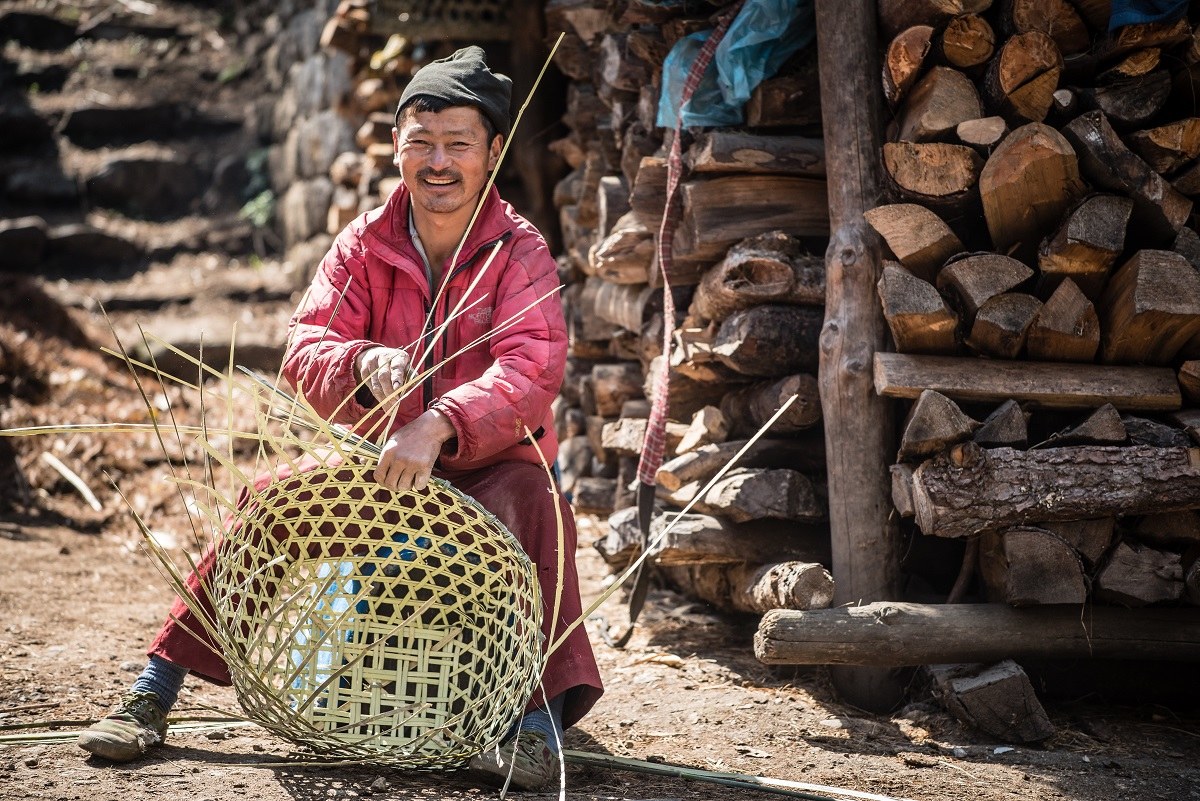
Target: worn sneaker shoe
132, 729
527, 756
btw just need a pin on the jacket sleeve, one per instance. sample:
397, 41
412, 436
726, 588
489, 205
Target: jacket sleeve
329, 330
491, 412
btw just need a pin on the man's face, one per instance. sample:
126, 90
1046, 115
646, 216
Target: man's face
444, 157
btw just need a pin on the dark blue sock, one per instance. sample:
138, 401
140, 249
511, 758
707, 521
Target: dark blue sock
162, 678
547, 721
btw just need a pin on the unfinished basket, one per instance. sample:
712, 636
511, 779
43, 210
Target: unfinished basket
399, 627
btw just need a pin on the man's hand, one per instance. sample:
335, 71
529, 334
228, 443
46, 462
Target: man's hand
385, 370
408, 456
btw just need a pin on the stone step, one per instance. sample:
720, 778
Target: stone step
99, 126
79, 249
148, 187
22, 128
22, 243
36, 31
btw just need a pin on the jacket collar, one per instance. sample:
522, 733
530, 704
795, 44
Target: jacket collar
386, 227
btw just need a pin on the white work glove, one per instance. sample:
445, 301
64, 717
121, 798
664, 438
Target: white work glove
384, 370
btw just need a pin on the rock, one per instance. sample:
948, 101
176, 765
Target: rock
230, 180
22, 243
76, 249
313, 145
36, 31
21, 128
153, 188
304, 258
96, 126
43, 184
303, 210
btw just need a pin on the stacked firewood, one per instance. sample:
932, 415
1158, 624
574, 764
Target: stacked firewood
1043, 295
748, 282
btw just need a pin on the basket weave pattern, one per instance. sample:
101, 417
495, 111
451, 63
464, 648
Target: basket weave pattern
400, 627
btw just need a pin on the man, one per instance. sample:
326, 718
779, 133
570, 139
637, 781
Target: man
481, 419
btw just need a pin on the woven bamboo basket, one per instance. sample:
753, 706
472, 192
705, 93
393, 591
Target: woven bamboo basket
398, 627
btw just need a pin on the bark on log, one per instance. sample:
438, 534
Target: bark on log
627, 436
709, 426
1131, 103
916, 314
933, 424
895, 634
903, 61
806, 453
613, 384
754, 493
996, 699
594, 495
1055, 18
728, 151
649, 194
916, 236
1168, 147
625, 255
1102, 427
748, 409
1030, 566
1150, 309
937, 104
1086, 245
1178, 530
1045, 385
783, 585
1023, 75
770, 340
786, 101
1006, 427
967, 41
686, 396
975, 278
623, 304
612, 202
1027, 185
970, 489
1002, 324
1139, 576
896, 15
1189, 381
1066, 329
1107, 163
769, 268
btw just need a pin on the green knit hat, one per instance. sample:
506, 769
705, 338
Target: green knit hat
464, 79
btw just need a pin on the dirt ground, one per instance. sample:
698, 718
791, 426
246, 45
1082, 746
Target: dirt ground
79, 600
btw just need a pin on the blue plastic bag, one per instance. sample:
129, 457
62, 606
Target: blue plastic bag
765, 34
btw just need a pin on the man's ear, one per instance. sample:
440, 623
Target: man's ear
396, 146
494, 151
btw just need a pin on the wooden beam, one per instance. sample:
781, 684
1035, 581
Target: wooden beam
891, 634
858, 425
1049, 385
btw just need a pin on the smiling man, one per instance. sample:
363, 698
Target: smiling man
383, 306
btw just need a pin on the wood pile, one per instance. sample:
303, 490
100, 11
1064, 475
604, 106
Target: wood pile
748, 282
1043, 294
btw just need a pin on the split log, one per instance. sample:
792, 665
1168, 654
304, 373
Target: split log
769, 268
1064, 105
625, 255
892, 633
754, 493
1086, 245
1055, 18
1131, 103
1006, 427
787, 101
1170, 530
996, 699
982, 134
648, 197
1187, 180
694, 539
627, 436
1023, 75
1102, 427
918, 238
1066, 329
1026, 187
1107, 163
1143, 431
748, 409
1095, 13
1139, 576
975, 278
903, 61
590, 326
729, 151
967, 41
692, 355
708, 426
686, 396
1090, 538
1189, 381
902, 489
933, 424
1153, 34
1150, 309
623, 304
1187, 244
613, 384
970, 489
1191, 580
720, 212
916, 314
612, 201
1168, 147
896, 15
784, 585
1042, 384
935, 173
937, 104
1029, 566
802, 453
771, 340
574, 461
594, 495
1002, 324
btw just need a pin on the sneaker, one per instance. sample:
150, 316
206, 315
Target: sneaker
527, 757
132, 729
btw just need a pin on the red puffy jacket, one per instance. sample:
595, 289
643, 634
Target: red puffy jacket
371, 289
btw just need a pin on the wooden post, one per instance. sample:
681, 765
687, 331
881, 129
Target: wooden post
858, 423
